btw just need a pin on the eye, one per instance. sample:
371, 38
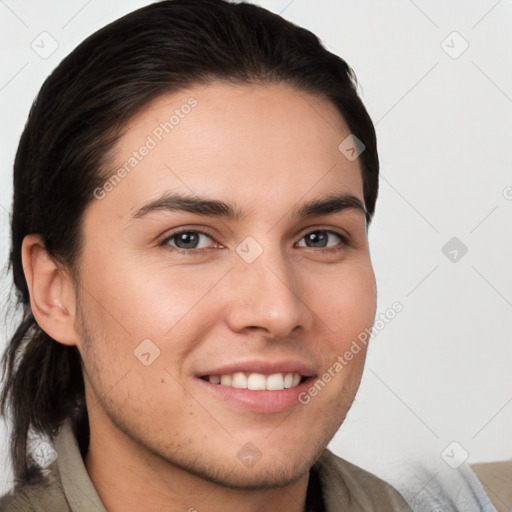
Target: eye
188, 241
195, 242
320, 239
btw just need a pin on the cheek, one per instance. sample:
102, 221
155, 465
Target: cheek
155, 301
347, 302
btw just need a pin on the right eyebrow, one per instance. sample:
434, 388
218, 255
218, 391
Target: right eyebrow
191, 204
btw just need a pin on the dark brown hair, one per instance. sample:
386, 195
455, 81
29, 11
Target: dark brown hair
77, 117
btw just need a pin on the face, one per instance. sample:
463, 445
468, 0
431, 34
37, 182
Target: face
203, 326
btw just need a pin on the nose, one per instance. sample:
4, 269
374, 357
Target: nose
266, 295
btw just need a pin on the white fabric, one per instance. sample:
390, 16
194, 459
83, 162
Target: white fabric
431, 487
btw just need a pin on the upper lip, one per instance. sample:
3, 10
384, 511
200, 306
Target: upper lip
264, 367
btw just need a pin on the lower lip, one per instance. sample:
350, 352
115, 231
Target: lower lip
263, 401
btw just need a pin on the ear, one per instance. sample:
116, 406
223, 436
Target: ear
51, 291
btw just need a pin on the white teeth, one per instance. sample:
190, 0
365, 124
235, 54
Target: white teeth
288, 380
257, 381
226, 380
275, 381
239, 380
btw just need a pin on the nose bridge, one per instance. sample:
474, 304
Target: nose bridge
266, 290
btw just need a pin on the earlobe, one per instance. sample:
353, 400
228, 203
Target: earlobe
51, 291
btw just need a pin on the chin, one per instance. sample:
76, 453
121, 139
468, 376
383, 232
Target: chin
262, 475
277, 467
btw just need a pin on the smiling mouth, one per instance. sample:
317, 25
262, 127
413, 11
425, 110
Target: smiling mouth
257, 381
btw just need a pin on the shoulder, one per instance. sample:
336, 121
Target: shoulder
344, 483
39, 497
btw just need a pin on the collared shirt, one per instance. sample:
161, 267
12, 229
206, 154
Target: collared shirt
335, 485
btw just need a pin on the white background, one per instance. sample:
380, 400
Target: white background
441, 370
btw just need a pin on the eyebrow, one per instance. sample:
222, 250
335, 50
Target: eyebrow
170, 202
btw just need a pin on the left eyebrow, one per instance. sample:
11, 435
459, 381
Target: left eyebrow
215, 208
329, 205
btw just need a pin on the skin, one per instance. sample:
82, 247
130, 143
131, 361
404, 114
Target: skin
159, 441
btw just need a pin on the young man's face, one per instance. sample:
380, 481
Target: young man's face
270, 292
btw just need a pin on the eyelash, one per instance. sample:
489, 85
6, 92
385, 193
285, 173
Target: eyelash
197, 252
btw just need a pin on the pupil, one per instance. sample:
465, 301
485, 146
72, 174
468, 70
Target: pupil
187, 239
315, 238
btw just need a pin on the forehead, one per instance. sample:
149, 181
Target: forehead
255, 145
